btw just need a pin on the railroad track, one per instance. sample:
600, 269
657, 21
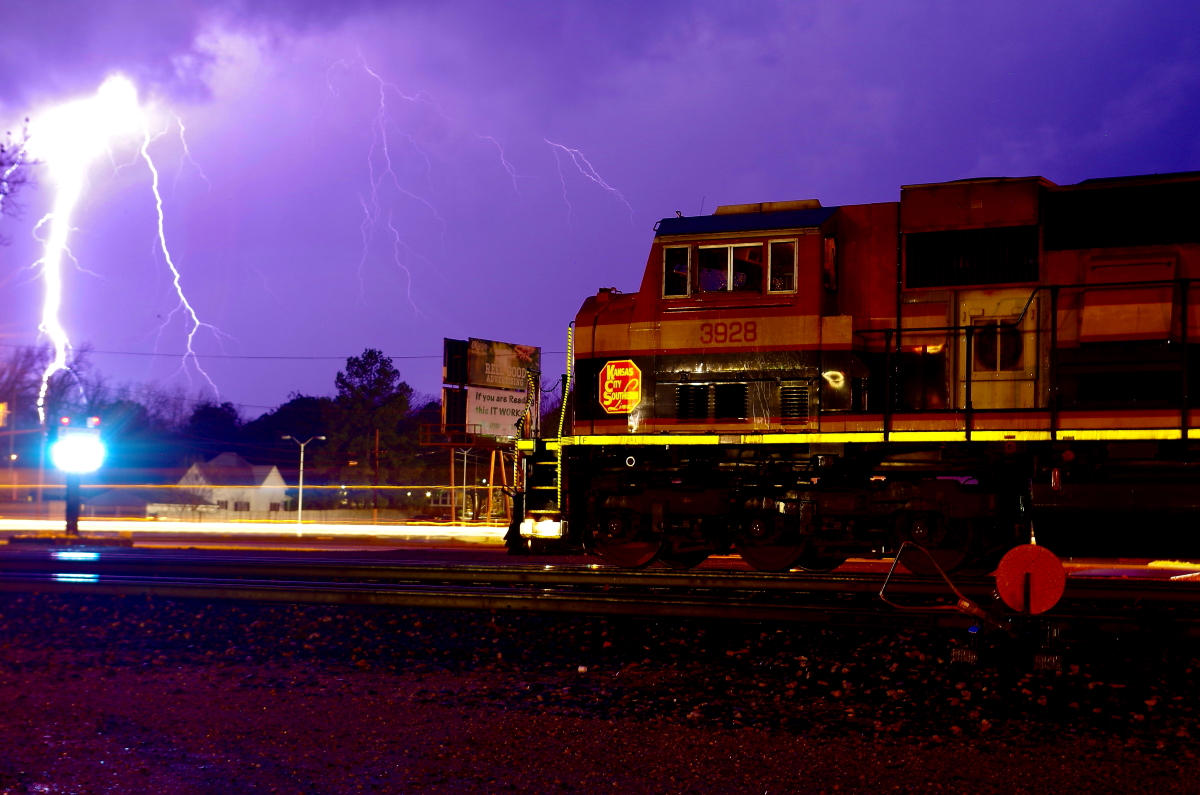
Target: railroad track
840, 598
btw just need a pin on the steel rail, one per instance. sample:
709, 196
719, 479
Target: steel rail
540, 600
1101, 589
456, 597
560, 574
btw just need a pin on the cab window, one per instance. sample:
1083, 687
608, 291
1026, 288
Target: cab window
714, 269
675, 272
747, 268
735, 268
783, 266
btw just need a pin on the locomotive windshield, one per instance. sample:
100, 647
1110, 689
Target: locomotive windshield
736, 268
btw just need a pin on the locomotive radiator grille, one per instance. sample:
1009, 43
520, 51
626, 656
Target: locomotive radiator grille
724, 402
730, 401
691, 402
794, 401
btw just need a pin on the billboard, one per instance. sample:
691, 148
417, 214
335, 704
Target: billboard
501, 365
496, 411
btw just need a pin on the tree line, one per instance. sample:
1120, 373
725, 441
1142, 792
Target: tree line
371, 424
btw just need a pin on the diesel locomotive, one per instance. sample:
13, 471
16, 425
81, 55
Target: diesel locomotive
805, 383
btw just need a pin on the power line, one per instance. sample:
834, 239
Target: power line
236, 356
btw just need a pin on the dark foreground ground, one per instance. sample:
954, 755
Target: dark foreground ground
131, 695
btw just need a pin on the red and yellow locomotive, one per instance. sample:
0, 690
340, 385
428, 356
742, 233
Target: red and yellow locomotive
805, 383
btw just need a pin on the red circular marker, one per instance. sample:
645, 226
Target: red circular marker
1046, 576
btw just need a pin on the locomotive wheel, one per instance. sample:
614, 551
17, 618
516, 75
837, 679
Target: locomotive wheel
673, 558
812, 560
947, 546
770, 544
624, 539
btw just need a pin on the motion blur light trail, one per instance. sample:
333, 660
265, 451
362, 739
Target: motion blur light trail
68, 138
477, 533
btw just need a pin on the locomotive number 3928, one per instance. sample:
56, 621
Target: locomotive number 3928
736, 331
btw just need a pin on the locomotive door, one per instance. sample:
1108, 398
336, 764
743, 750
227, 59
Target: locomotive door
1004, 359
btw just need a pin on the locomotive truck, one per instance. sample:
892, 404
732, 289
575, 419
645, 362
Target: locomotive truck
805, 383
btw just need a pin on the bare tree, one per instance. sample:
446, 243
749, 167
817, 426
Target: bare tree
14, 171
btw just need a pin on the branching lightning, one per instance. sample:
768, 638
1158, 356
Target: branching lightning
381, 170
372, 205
176, 277
508, 167
187, 154
68, 138
563, 181
585, 167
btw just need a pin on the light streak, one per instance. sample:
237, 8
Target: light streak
585, 167
473, 532
68, 138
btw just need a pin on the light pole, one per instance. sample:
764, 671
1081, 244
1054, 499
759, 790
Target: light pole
300, 499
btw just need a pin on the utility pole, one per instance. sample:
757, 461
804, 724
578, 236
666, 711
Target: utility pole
12, 440
375, 490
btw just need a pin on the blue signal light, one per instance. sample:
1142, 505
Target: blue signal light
73, 555
77, 577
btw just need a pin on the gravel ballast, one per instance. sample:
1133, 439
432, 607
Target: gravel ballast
101, 694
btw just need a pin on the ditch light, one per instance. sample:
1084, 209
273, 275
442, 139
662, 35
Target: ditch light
545, 528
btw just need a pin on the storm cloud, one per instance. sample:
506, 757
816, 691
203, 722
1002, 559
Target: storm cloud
295, 238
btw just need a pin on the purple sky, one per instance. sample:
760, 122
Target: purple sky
675, 104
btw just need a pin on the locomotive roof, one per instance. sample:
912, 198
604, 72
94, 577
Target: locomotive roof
1173, 176
743, 222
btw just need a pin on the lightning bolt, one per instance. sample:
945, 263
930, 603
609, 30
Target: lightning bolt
381, 170
68, 138
176, 277
380, 148
512, 171
187, 154
563, 180
585, 167
397, 243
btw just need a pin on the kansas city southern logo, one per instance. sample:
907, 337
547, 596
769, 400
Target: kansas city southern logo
620, 386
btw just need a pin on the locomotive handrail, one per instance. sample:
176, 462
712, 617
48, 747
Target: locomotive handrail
1183, 284
1021, 318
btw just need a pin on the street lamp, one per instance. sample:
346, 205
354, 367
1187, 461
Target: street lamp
76, 451
300, 500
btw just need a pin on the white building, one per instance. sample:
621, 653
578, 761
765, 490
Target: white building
230, 483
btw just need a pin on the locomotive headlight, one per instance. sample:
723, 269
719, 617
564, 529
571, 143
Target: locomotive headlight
545, 528
835, 378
